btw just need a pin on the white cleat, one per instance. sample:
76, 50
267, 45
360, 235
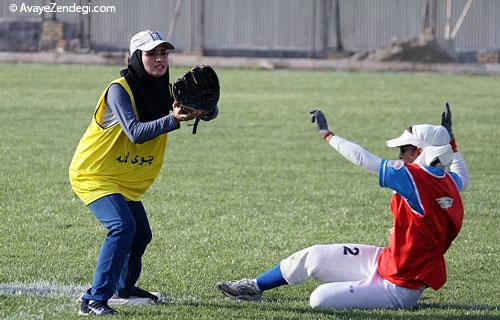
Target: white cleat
244, 289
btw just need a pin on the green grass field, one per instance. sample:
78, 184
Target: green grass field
252, 187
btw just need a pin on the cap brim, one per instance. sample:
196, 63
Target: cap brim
153, 44
443, 153
404, 139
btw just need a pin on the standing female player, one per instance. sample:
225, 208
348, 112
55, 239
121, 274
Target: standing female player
116, 161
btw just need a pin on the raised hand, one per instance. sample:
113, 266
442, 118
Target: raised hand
319, 119
446, 120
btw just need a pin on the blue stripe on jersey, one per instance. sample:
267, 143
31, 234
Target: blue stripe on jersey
434, 171
437, 172
393, 174
456, 179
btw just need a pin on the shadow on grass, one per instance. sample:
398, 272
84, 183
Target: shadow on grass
468, 307
439, 311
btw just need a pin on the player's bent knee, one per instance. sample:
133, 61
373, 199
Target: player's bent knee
144, 236
326, 296
314, 301
315, 262
123, 229
318, 299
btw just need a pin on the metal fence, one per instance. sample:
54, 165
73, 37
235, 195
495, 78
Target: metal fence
302, 28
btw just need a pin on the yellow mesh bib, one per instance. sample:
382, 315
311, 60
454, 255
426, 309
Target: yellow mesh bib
107, 162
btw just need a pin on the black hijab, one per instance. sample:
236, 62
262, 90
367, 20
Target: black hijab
152, 95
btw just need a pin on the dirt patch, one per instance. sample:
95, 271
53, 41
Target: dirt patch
417, 49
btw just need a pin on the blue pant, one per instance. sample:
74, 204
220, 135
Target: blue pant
119, 264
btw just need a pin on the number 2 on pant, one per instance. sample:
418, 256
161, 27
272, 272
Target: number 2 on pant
354, 251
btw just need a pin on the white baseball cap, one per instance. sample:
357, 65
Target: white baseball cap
443, 153
421, 135
148, 40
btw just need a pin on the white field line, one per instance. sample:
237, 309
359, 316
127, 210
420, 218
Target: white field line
51, 290
42, 289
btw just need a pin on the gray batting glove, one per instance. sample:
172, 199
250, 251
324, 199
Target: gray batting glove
446, 121
318, 117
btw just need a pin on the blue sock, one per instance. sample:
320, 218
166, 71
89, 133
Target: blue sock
271, 279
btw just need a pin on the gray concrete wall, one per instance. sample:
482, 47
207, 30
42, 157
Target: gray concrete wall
300, 28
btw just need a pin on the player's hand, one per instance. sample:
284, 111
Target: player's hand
319, 119
182, 113
446, 120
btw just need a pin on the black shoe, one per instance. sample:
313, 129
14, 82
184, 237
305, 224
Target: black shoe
95, 308
141, 293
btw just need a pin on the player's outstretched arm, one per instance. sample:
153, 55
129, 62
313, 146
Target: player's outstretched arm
351, 151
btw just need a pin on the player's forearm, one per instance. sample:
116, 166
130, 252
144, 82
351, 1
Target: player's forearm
138, 132
355, 153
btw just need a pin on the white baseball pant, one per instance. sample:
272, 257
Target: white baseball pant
350, 277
